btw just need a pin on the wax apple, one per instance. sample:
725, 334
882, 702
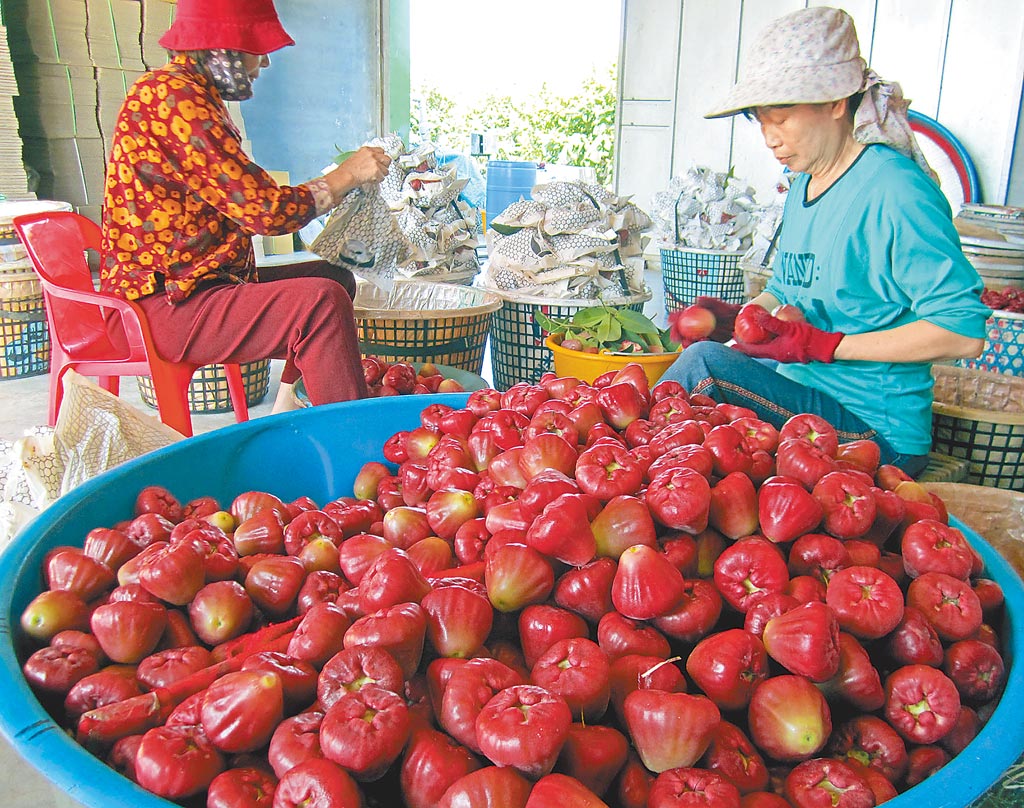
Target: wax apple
830, 782
732, 755
789, 718
432, 762
524, 726
587, 590
53, 611
727, 666
128, 630
646, 584
733, 510
867, 602
319, 782
577, 669
699, 608
177, 762
748, 569
355, 668
786, 510
364, 731
805, 641
458, 619
921, 703
669, 730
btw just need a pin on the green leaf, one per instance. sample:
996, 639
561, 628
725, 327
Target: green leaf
549, 324
636, 322
609, 331
504, 229
591, 317
342, 156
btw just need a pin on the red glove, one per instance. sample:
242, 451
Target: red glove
795, 341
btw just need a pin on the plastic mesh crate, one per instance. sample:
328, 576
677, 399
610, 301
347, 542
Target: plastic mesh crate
977, 416
518, 352
1004, 345
24, 336
692, 273
208, 390
443, 323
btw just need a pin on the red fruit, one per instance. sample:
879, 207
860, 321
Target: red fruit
516, 576
680, 786
128, 630
733, 510
489, 786
241, 710
727, 666
524, 726
786, 510
921, 703
680, 499
646, 584
747, 328
576, 669
805, 641
459, 620
176, 762
669, 730
317, 782
365, 731
847, 504
594, 755
587, 590
789, 718
749, 569
431, 764
693, 323
829, 782
733, 756
867, 602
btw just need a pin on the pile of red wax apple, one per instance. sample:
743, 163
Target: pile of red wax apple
560, 595
402, 379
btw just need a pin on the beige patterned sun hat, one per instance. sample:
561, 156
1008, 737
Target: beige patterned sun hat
808, 57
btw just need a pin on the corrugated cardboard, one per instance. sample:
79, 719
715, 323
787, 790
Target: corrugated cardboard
114, 34
47, 31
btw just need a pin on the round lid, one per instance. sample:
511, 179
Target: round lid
9, 208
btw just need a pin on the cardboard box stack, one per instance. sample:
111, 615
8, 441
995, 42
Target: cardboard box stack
14, 182
74, 61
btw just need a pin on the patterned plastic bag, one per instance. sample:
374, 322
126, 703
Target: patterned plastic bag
95, 431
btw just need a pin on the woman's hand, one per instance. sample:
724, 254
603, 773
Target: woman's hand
367, 165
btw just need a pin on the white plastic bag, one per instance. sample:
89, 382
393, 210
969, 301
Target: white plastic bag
95, 431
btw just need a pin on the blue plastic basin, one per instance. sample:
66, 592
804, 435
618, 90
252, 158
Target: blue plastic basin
317, 452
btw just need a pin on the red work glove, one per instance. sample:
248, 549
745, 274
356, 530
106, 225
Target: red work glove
795, 341
725, 316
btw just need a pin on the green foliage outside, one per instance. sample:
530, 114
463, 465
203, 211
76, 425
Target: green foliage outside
576, 129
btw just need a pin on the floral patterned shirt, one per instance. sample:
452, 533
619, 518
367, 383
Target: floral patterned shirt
182, 200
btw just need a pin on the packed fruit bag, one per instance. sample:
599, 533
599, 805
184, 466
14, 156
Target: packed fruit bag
571, 594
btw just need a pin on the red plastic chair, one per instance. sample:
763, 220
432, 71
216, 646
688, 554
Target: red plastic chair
81, 336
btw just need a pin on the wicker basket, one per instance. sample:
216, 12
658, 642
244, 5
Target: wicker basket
994, 514
443, 323
518, 352
979, 416
1004, 345
690, 273
208, 391
24, 336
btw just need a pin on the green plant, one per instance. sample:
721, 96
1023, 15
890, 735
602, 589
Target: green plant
576, 129
607, 329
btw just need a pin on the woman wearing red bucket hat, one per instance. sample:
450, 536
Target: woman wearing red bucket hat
867, 251
183, 201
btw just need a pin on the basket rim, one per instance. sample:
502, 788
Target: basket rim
490, 303
1002, 314
703, 251
537, 300
974, 414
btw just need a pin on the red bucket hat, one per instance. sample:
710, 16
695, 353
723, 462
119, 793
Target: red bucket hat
250, 26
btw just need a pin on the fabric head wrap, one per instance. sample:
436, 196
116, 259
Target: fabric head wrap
812, 56
228, 73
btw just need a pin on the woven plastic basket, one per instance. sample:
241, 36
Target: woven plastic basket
690, 273
518, 352
1004, 345
24, 336
443, 323
979, 416
208, 391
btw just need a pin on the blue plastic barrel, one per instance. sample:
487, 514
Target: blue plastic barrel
507, 181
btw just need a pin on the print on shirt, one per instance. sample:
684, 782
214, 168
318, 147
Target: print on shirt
797, 269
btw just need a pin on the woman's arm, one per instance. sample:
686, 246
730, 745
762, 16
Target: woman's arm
920, 341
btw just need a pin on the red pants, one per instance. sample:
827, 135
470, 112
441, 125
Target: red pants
301, 313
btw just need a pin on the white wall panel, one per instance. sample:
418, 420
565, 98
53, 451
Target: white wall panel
645, 154
650, 49
918, 69
981, 85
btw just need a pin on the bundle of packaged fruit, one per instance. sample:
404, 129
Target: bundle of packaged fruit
603, 329
1011, 299
403, 378
563, 594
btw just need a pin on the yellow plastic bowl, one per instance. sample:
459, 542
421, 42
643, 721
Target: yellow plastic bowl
587, 366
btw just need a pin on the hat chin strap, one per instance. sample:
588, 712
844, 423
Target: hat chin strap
882, 118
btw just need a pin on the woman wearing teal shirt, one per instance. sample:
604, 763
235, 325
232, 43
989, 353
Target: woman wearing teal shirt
867, 252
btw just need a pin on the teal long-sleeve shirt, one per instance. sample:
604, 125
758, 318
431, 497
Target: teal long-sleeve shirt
877, 250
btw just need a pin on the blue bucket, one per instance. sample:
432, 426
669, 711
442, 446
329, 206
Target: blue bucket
507, 182
318, 452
